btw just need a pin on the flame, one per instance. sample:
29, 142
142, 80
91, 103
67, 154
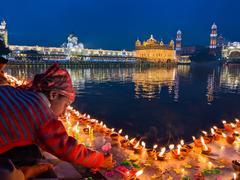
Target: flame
88, 116
182, 142
224, 122
104, 126
178, 149
143, 144
237, 120
120, 131
233, 125
139, 173
132, 140
204, 132
155, 146
163, 150
193, 137
224, 135
215, 127
205, 147
126, 137
112, 129
212, 131
137, 144
202, 141
234, 176
101, 123
171, 146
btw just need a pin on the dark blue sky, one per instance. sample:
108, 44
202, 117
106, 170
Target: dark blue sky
115, 24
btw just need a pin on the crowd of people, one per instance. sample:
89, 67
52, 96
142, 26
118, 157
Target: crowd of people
29, 125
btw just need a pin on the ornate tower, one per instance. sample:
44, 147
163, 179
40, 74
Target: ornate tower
3, 32
213, 37
179, 42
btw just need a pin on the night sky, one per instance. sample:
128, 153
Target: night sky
115, 24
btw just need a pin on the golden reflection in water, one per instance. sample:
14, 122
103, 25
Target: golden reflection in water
230, 78
149, 82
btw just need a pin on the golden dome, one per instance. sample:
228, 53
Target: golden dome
138, 43
171, 44
151, 40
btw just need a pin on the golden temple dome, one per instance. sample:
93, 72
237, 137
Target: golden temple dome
138, 43
161, 43
151, 40
171, 44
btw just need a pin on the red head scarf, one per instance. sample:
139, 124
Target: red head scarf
56, 79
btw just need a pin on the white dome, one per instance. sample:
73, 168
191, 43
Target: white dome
214, 26
179, 32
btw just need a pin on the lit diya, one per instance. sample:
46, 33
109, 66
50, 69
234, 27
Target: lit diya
205, 150
185, 149
228, 126
152, 152
176, 153
124, 142
236, 165
207, 137
197, 142
218, 131
216, 137
137, 148
161, 156
237, 122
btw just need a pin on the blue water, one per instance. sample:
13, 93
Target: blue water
162, 105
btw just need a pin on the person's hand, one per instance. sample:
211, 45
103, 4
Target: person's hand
35, 170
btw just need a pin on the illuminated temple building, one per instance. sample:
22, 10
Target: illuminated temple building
152, 50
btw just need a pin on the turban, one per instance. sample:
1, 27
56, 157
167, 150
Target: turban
56, 79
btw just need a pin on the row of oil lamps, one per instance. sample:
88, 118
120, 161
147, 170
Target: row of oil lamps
139, 146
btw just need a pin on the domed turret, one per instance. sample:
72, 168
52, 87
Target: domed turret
161, 43
179, 32
171, 44
214, 26
138, 43
151, 40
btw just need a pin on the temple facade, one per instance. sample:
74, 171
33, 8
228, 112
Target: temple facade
154, 51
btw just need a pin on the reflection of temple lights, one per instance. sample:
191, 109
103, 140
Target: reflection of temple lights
230, 79
148, 83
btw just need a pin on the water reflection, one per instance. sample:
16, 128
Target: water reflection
160, 104
149, 82
230, 79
